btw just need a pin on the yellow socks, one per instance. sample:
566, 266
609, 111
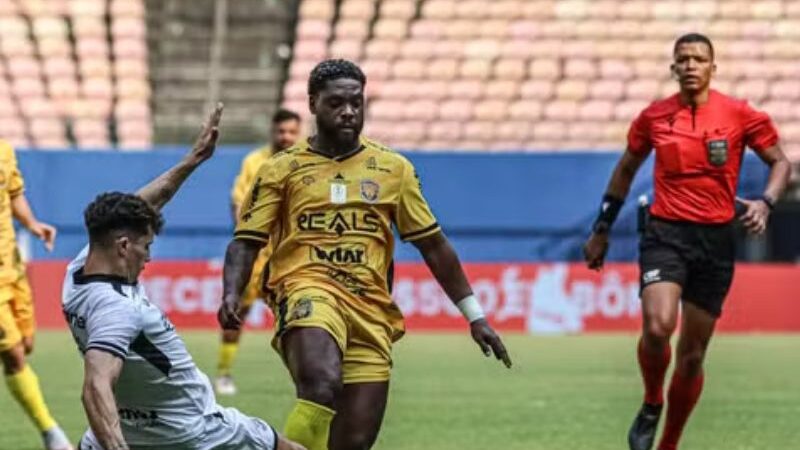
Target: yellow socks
24, 386
309, 424
227, 354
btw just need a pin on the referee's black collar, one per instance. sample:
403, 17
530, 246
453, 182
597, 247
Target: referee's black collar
78, 277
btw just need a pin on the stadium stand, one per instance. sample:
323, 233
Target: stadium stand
74, 73
541, 74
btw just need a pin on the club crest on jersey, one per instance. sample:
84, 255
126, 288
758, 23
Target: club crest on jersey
302, 309
369, 191
717, 152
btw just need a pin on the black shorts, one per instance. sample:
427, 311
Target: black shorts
698, 257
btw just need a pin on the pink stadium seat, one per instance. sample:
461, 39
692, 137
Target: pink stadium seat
347, 48
132, 88
538, 9
422, 109
643, 89
482, 48
14, 27
626, 29
317, 9
88, 27
27, 87
374, 68
130, 48
295, 89
90, 128
734, 9
456, 109
548, 48
668, 88
607, 89
515, 49
572, 89
537, 89
311, 49
756, 29
427, 28
5, 91
769, 10
445, 130
49, 26
502, 89
466, 89
363, 10
611, 49
54, 47
417, 49
505, 9
42, 128
382, 48
460, 29
787, 89
603, 9
565, 110
313, 29
391, 28
8, 9
629, 109
580, 68
592, 29
491, 110
386, 109
432, 89
24, 66
95, 68
788, 29
617, 69
13, 47
97, 88
79, 8
510, 69
494, 28
571, 10
471, 9
475, 69
130, 68
666, 10
38, 107
546, 69
63, 88
780, 109
596, 110
723, 28
439, 9
553, 131
525, 29
92, 47
586, 131
409, 68
128, 27
302, 67
651, 69
127, 8
398, 9
752, 90
479, 131
529, 110
352, 29
449, 48
442, 69
512, 130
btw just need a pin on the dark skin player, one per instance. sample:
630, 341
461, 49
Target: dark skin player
312, 355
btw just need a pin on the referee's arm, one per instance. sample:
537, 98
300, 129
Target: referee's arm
757, 211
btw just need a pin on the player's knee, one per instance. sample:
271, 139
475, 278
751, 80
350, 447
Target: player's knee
13, 360
690, 364
231, 336
658, 330
320, 385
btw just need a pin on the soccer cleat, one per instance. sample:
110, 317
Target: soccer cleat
224, 385
55, 439
643, 431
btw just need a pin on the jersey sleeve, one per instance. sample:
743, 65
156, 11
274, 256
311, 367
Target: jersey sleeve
414, 219
639, 142
261, 205
15, 185
759, 130
112, 324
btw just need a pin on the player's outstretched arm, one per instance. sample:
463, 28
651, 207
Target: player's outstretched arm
22, 211
159, 191
443, 262
757, 211
239, 259
594, 251
101, 371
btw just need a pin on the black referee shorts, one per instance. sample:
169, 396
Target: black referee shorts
698, 257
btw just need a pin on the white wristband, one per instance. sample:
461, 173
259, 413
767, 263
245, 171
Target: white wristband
470, 308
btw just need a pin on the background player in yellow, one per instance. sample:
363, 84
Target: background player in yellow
330, 203
285, 130
16, 307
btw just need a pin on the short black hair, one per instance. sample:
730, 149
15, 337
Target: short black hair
692, 38
334, 69
113, 211
283, 114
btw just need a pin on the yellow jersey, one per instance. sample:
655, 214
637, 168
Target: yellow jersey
11, 185
250, 165
331, 219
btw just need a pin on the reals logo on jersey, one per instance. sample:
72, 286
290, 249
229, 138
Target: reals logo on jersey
369, 191
717, 152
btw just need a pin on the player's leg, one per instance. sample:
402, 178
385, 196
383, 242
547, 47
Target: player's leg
22, 308
22, 382
697, 327
359, 415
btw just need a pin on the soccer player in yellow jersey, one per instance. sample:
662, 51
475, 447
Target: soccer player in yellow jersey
285, 130
328, 205
16, 305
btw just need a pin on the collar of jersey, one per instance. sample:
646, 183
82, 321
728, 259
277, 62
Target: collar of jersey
336, 158
78, 277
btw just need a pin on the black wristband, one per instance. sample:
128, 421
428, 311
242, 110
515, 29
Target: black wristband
609, 210
769, 201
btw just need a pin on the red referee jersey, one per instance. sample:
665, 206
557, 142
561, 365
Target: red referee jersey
699, 153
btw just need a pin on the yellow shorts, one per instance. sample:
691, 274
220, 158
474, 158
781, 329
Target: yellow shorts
16, 313
365, 343
255, 287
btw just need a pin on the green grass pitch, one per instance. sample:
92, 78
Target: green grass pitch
563, 393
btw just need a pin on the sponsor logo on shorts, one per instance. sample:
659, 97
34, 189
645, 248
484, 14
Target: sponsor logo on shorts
348, 281
352, 254
651, 276
717, 152
370, 190
302, 309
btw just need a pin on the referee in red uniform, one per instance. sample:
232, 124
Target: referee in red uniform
687, 250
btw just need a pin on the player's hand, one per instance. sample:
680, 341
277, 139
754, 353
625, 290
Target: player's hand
756, 214
46, 233
489, 341
594, 250
229, 316
206, 142
27, 343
